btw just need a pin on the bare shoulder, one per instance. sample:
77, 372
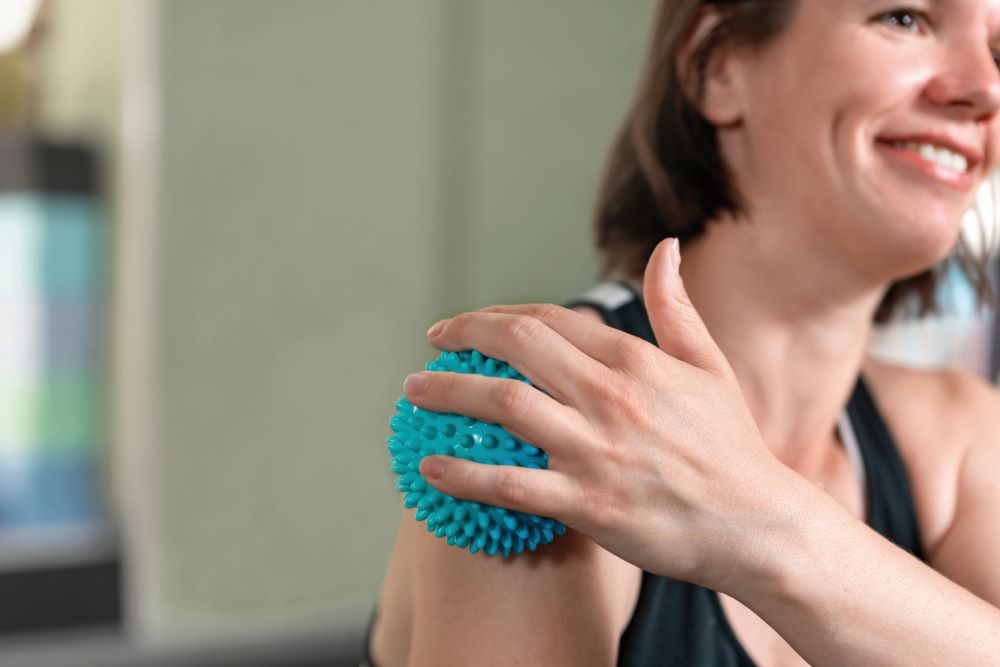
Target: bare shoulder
942, 402
934, 416
561, 604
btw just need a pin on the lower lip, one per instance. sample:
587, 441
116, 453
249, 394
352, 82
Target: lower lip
961, 182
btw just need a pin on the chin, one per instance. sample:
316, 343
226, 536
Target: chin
921, 240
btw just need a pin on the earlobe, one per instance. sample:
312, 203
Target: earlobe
722, 99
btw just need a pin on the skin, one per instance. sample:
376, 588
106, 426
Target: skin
757, 313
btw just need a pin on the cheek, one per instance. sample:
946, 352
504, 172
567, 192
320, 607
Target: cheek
812, 111
991, 153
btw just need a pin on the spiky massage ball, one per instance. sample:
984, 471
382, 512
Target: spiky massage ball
465, 523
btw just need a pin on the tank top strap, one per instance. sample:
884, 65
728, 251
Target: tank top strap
891, 508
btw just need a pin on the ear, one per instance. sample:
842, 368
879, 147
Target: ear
721, 97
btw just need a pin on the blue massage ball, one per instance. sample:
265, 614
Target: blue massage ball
465, 523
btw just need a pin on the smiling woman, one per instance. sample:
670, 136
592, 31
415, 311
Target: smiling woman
743, 484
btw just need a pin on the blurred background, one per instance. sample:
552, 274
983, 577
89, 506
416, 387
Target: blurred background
225, 226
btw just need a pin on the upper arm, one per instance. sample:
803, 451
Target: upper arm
969, 553
559, 605
566, 603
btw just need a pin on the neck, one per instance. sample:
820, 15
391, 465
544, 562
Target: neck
794, 335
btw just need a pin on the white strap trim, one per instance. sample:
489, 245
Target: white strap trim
850, 440
611, 295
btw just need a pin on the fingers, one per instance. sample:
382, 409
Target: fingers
526, 412
532, 347
595, 339
543, 492
679, 329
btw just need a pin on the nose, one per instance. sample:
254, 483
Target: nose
968, 81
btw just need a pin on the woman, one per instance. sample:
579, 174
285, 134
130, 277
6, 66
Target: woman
815, 159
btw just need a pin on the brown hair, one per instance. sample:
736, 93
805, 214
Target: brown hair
664, 175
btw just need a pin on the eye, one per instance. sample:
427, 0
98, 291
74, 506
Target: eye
907, 19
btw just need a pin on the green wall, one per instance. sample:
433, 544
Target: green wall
335, 176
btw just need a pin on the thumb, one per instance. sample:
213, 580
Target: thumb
679, 329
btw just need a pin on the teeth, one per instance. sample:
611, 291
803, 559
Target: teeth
942, 156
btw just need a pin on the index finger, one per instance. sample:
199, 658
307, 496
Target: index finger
597, 340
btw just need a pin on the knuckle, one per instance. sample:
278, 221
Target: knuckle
462, 477
525, 329
607, 387
545, 312
629, 351
721, 371
622, 398
603, 388
510, 487
458, 324
640, 354
679, 299
511, 395
575, 514
437, 385
600, 510
658, 300
632, 407
689, 320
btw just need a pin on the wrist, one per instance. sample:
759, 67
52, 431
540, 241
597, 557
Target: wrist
779, 543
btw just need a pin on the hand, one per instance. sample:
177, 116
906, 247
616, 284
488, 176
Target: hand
653, 452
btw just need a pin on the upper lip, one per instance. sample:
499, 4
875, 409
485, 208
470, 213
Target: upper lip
973, 155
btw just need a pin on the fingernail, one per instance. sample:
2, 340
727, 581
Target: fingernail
432, 467
675, 253
436, 329
415, 383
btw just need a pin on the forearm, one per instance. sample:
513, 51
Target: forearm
841, 594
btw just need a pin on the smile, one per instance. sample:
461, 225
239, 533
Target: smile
940, 164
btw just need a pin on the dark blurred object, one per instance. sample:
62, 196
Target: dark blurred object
100, 648
30, 164
61, 597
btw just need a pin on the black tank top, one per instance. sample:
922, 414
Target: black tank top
679, 624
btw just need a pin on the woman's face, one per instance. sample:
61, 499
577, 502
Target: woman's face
873, 124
